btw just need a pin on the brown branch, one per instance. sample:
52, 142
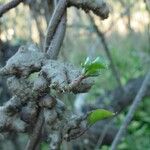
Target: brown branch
76, 82
38, 25
6, 7
72, 87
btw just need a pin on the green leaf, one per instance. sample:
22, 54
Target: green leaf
86, 63
98, 114
44, 146
93, 68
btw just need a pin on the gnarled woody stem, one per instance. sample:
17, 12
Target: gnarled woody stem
51, 35
9, 118
99, 7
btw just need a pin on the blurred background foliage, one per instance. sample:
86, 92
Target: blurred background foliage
127, 32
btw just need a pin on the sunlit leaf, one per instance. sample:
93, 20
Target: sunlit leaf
86, 63
98, 114
93, 67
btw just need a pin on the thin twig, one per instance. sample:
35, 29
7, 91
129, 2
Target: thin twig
147, 3
6, 7
103, 134
75, 82
106, 48
58, 38
56, 17
38, 25
121, 15
131, 112
33, 141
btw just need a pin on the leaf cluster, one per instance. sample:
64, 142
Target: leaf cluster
92, 68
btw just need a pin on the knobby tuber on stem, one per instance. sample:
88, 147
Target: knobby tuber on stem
32, 77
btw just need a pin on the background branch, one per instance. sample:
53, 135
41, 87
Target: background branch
131, 112
99, 7
6, 7
107, 50
118, 101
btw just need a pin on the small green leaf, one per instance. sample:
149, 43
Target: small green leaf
44, 146
87, 61
97, 115
93, 68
